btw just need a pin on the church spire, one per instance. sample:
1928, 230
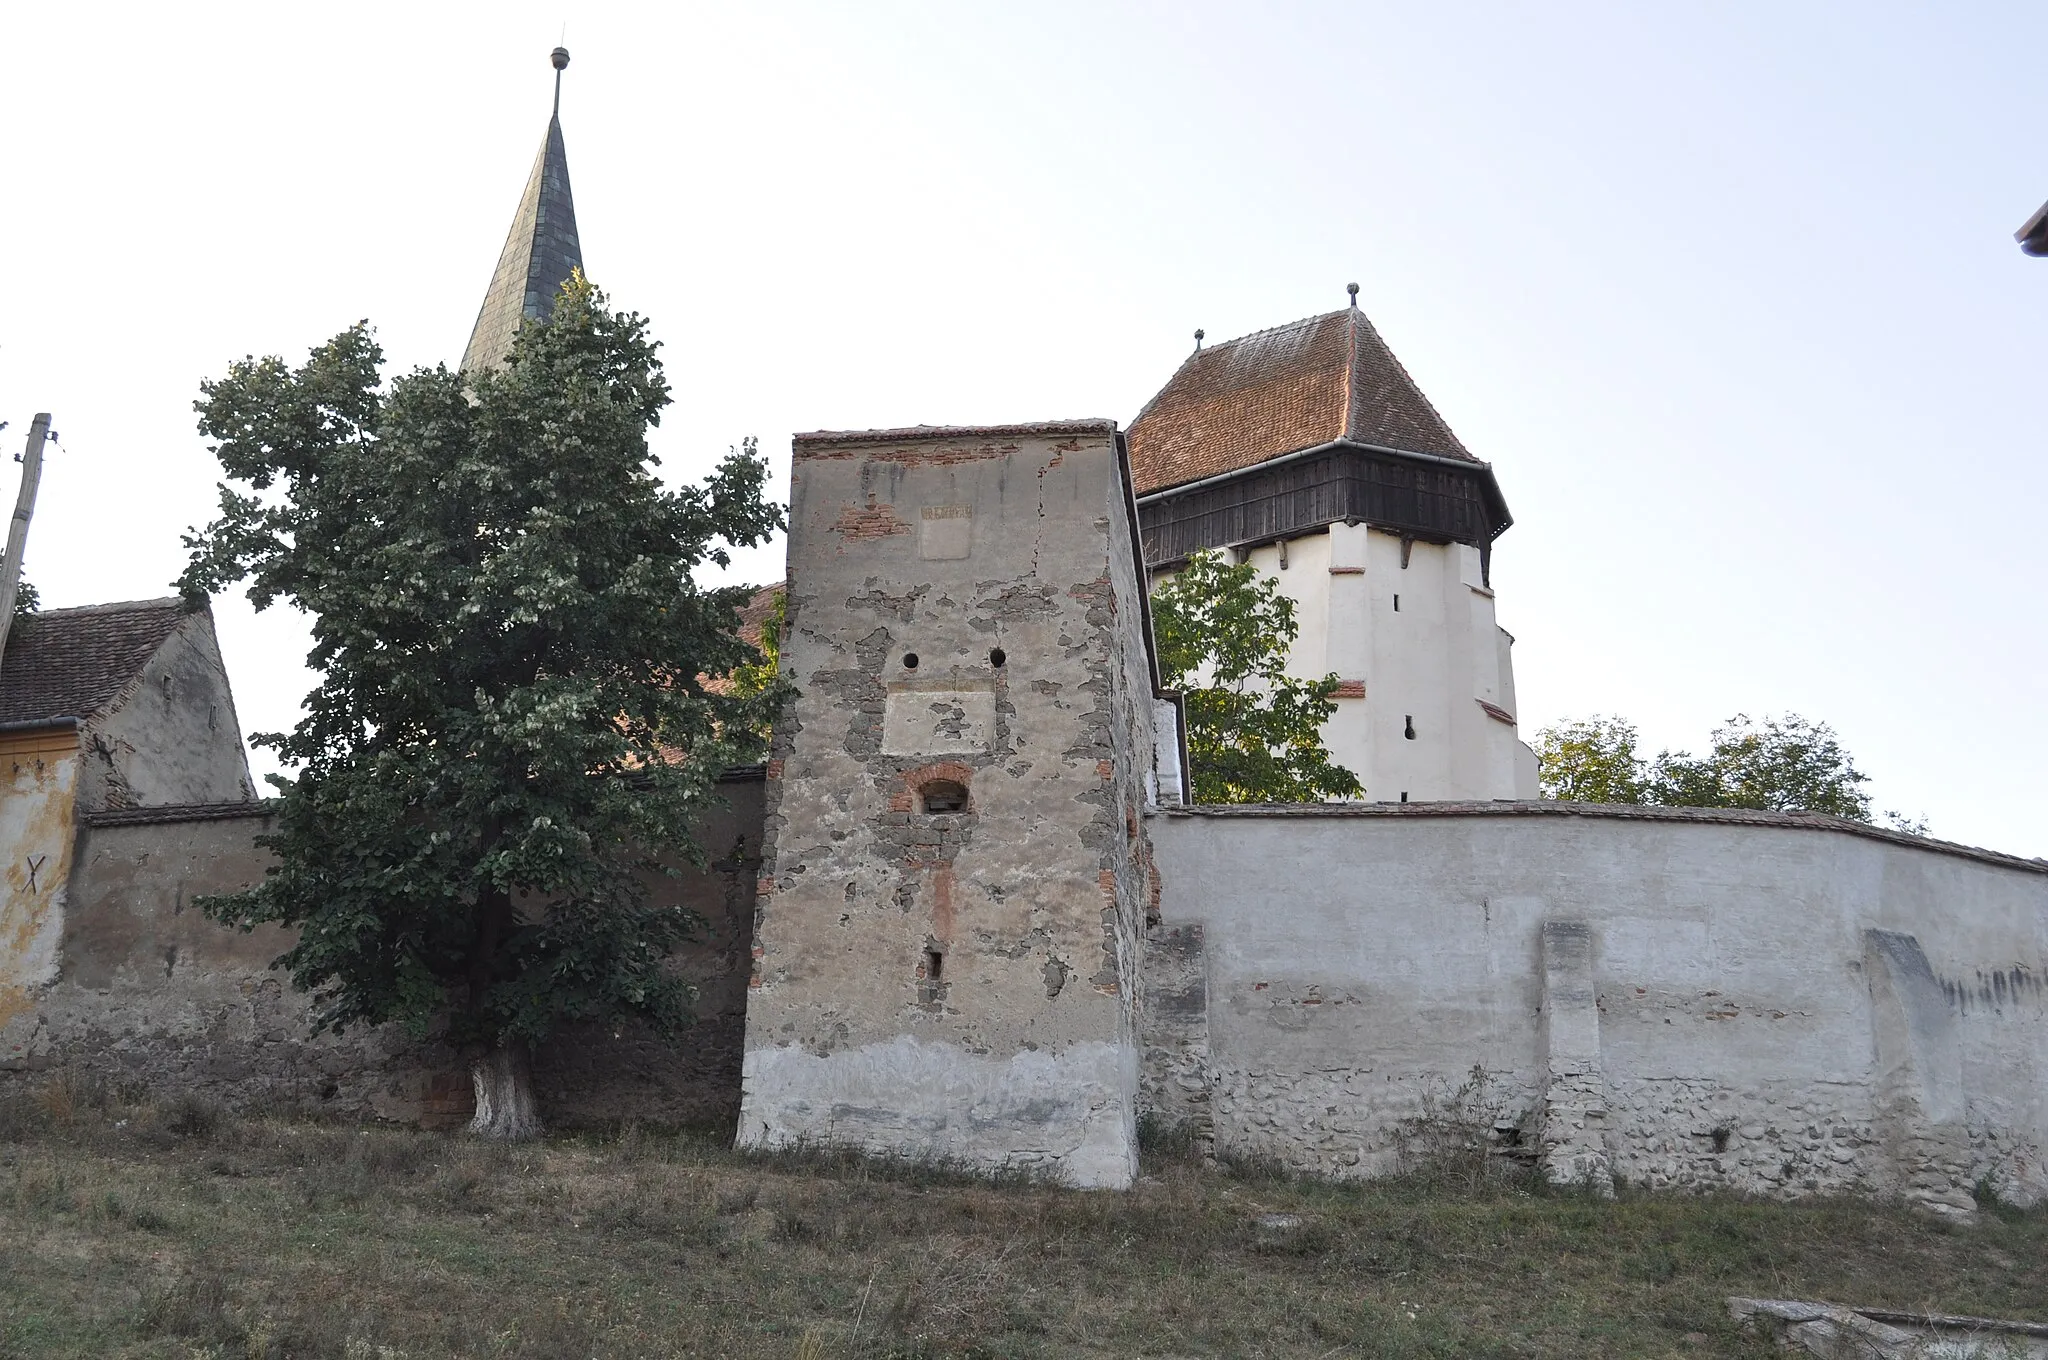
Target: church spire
540, 251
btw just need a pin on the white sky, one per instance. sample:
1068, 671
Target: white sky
1727, 293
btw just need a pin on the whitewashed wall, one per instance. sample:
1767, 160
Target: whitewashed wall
1436, 662
1752, 1000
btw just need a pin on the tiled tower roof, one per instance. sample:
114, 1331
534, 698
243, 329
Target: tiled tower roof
1237, 404
540, 251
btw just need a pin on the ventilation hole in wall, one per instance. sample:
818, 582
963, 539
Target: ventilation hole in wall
1721, 1139
910, 661
943, 795
996, 657
1404, 795
934, 966
329, 1089
1397, 604
1408, 726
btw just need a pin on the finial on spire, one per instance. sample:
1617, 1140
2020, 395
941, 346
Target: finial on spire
1352, 289
560, 58
1198, 341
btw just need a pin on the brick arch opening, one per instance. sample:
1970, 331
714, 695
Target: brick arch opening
944, 787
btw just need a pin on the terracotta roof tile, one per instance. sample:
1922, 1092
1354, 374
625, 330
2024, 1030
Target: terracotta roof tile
756, 610
753, 615
71, 663
1239, 403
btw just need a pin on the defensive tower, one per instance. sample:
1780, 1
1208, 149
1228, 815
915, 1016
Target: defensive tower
956, 870
1309, 451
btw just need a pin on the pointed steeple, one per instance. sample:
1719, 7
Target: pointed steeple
541, 251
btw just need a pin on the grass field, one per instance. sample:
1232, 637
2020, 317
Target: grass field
137, 1230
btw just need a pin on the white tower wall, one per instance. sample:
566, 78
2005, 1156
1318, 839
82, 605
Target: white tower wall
1439, 662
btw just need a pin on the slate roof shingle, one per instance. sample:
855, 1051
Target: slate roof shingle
71, 663
541, 251
1234, 405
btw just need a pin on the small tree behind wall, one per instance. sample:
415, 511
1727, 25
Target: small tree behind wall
511, 712
1255, 733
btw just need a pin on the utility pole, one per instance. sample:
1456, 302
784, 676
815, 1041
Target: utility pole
17, 532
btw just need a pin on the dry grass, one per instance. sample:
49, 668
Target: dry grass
131, 1230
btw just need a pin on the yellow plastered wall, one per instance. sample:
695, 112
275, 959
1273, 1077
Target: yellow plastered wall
38, 824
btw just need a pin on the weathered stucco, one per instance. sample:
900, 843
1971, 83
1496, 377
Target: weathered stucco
170, 737
151, 994
148, 993
37, 813
957, 982
1761, 1002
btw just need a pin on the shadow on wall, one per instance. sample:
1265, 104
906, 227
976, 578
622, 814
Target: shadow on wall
145, 992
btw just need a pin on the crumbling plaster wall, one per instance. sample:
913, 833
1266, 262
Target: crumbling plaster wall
1751, 1001
1030, 900
171, 737
150, 994
38, 808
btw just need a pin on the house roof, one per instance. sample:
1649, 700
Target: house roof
71, 663
754, 613
1234, 405
541, 251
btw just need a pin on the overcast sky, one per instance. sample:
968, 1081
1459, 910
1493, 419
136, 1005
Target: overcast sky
1726, 293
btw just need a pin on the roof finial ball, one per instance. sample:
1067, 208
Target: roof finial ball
1198, 339
560, 57
1352, 289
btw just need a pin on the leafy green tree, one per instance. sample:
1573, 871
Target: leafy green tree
1776, 764
759, 677
1590, 760
1254, 732
511, 715
27, 599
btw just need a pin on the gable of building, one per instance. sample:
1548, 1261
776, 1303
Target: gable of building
71, 663
143, 683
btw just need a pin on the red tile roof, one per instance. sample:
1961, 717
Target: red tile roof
756, 610
71, 663
1245, 401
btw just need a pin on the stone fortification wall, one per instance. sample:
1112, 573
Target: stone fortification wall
1774, 1004
150, 994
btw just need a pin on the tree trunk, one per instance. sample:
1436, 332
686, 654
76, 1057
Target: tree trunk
505, 1107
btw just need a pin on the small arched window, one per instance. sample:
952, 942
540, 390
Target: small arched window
943, 795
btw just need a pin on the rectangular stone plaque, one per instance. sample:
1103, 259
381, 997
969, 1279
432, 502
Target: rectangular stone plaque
945, 532
938, 717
